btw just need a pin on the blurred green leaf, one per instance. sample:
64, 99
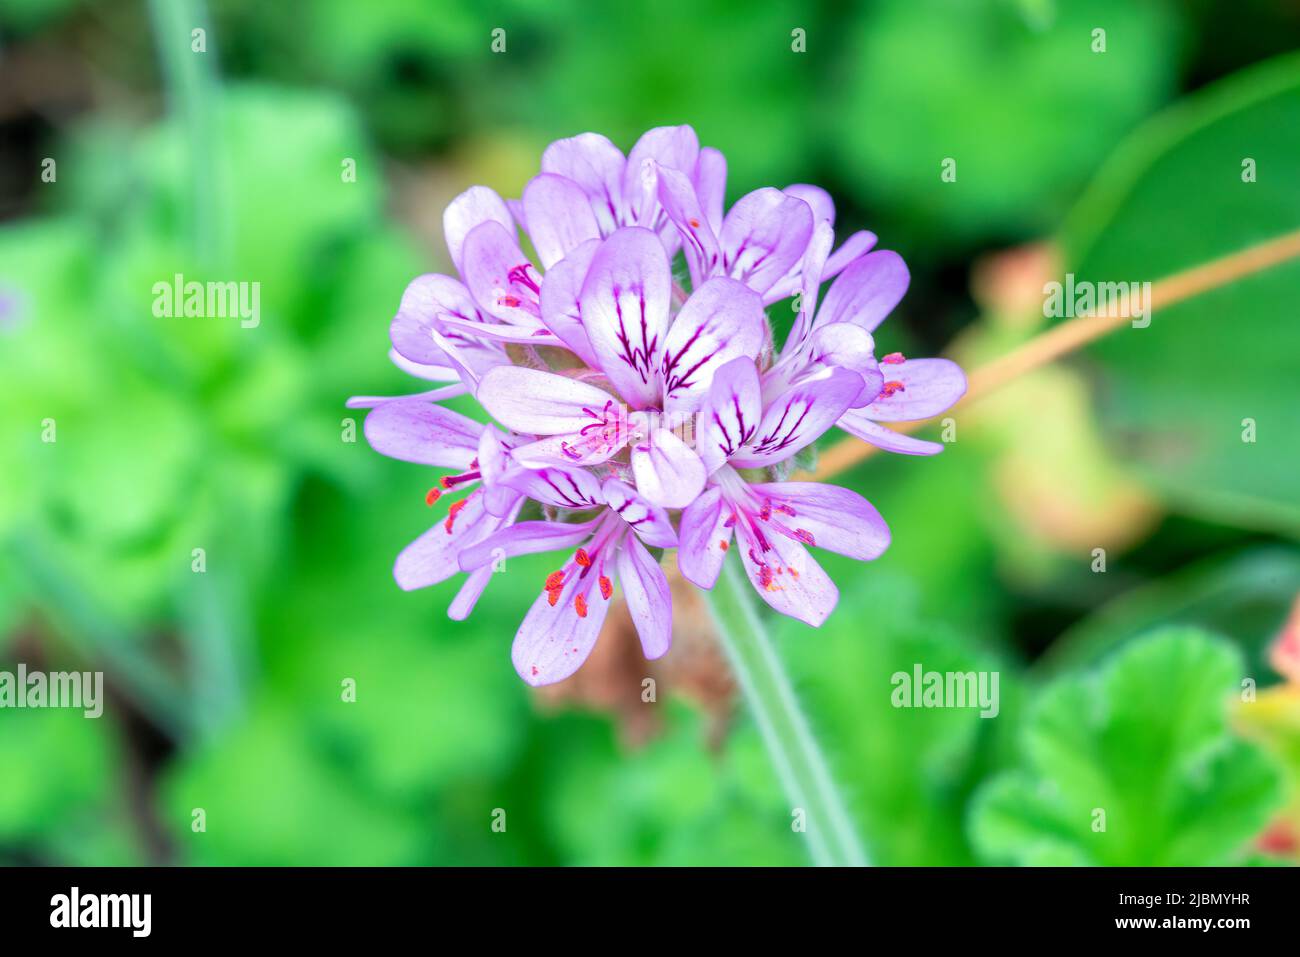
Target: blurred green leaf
733, 77
1020, 103
58, 769
1176, 396
1247, 594
270, 799
1144, 742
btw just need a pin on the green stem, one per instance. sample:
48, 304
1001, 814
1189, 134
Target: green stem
192, 93
804, 773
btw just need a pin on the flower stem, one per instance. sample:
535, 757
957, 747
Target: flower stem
192, 94
804, 773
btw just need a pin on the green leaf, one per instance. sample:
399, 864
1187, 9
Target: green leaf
1133, 765
1175, 396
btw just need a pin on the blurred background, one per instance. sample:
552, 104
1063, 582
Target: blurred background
1156, 679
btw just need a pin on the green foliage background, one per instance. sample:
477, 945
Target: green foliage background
1121, 691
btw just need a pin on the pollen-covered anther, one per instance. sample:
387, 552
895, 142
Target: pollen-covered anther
554, 585
890, 387
786, 510
452, 513
582, 558
893, 359
765, 513
723, 544
580, 605
606, 587
695, 223
432, 496
804, 536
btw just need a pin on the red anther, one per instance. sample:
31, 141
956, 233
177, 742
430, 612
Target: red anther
695, 223
893, 359
891, 387
731, 522
786, 510
765, 512
606, 587
765, 575
552, 597
582, 558
580, 605
804, 536
432, 496
445, 481
724, 544
511, 301
452, 513
554, 581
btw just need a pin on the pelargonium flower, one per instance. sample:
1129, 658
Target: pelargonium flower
640, 413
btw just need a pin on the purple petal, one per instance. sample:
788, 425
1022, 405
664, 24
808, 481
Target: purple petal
866, 291
525, 538
596, 165
682, 206
559, 300
441, 373
500, 277
853, 247
786, 576
855, 422
676, 147
929, 386
541, 403
711, 184
818, 200
414, 430
426, 300
573, 488
435, 555
470, 592
561, 216
576, 449
810, 272
625, 312
433, 395
475, 206
799, 417
554, 640
649, 521
850, 347
648, 599
667, 470
704, 539
494, 466
763, 236
721, 321
826, 516
730, 416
